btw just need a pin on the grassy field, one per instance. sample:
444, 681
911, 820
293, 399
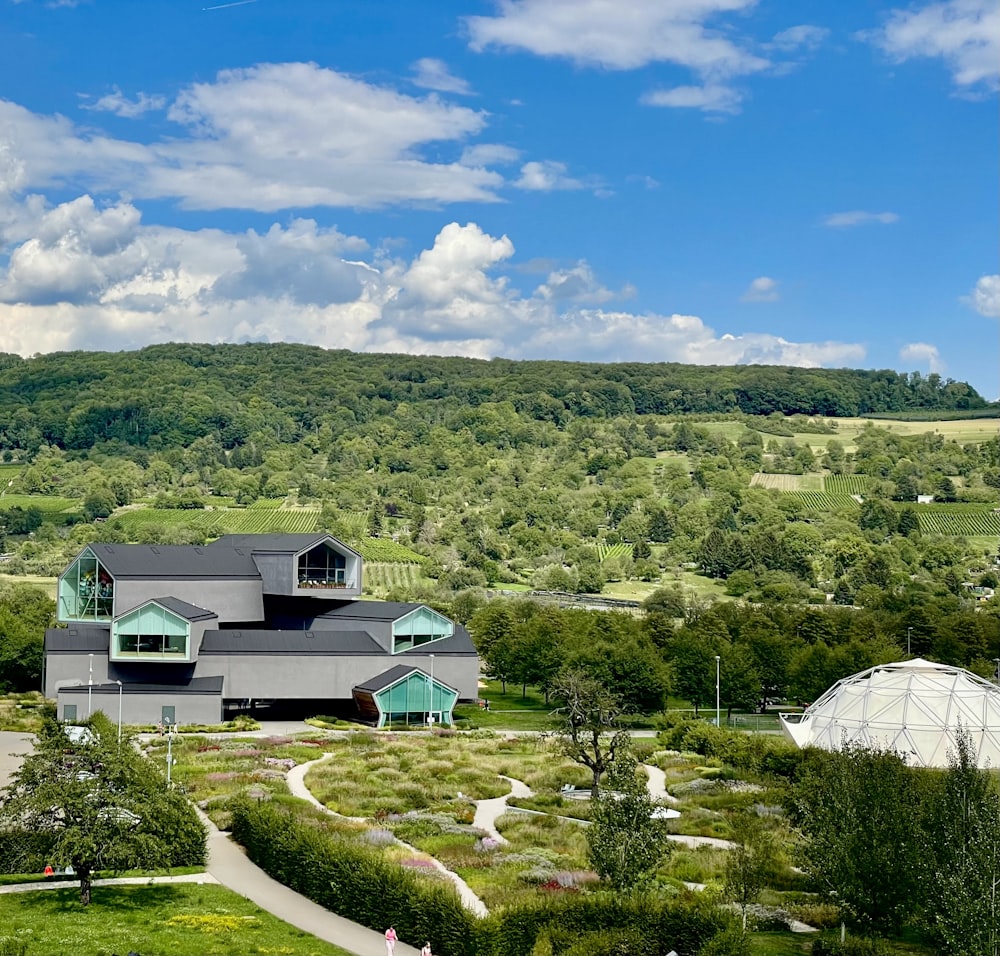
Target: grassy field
47, 584
179, 919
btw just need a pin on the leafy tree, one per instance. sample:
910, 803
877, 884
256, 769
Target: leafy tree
588, 728
750, 862
962, 871
102, 803
99, 503
859, 810
626, 840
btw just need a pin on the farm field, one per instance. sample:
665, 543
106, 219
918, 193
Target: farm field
825, 500
47, 504
969, 523
384, 576
846, 484
787, 482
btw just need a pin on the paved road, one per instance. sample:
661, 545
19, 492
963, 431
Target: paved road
13, 747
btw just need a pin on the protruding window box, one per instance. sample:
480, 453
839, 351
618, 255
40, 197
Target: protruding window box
159, 630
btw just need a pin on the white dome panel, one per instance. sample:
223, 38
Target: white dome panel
913, 707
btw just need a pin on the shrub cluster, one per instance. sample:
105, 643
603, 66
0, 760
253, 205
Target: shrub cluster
756, 753
356, 882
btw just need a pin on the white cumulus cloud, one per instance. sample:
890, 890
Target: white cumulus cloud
985, 297
965, 34
859, 217
922, 352
619, 34
85, 276
761, 289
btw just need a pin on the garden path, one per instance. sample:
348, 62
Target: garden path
233, 869
71, 883
656, 784
297, 787
487, 811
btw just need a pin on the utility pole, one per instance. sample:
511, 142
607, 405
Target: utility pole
718, 709
90, 686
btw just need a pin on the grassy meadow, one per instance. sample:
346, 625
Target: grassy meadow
181, 919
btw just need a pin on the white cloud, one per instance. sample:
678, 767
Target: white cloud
963, 33
761, 289
579, 285
802, 37
119, 104
434, 74
922, 352
713, 98
81, 276
274, 136
546, 176
859, 217
489, 154
619, 34
985, 297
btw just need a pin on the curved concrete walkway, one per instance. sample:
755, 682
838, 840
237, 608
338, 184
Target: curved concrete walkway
70, 883
230, 866
297, 787
656, 784
487, 811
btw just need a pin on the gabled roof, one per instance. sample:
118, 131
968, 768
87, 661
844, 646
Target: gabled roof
175, 561
393, 676
236, 642
190, 612
278, 543
370, 610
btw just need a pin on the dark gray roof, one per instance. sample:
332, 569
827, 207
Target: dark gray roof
175, 561
278, 543
196, 685
292, 643
77, 639
370, 610
393, 675
190, 612
459, 644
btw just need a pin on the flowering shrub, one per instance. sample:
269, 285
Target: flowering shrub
277, 741
486, 845
378, 837
220, 777
285, 763
418, 863
554, 886
213, 922
246, 753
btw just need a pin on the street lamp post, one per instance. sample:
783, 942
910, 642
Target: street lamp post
90, 686
430, 712
996, 673
170, 752
718, 709
909, 632
119, 683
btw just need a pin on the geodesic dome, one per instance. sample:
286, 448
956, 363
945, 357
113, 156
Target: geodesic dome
913, 707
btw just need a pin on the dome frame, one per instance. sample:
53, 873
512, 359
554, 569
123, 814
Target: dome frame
913, 707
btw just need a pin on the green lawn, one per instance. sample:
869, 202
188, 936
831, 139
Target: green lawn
508, 711
179, 919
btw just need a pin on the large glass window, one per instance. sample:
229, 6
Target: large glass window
150, 632
422, 626
86, 591
322, 567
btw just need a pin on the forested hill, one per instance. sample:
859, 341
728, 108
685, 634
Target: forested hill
180, 392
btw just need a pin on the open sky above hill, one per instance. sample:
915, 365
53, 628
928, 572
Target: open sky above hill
709, 181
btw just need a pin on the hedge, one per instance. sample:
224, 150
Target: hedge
358, 883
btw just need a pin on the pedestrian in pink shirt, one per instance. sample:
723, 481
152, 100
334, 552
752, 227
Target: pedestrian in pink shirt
390, 941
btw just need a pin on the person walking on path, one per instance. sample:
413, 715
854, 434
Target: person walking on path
390, 941
426, 951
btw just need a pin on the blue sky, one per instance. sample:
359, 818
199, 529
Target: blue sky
708, 181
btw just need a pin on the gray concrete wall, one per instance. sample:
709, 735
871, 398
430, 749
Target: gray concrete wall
264, 676
143, 708
235, 602
62, 670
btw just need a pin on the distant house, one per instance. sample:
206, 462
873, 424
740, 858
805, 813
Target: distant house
189, 634
925, 499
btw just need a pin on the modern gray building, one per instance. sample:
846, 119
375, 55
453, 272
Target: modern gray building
188, 634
